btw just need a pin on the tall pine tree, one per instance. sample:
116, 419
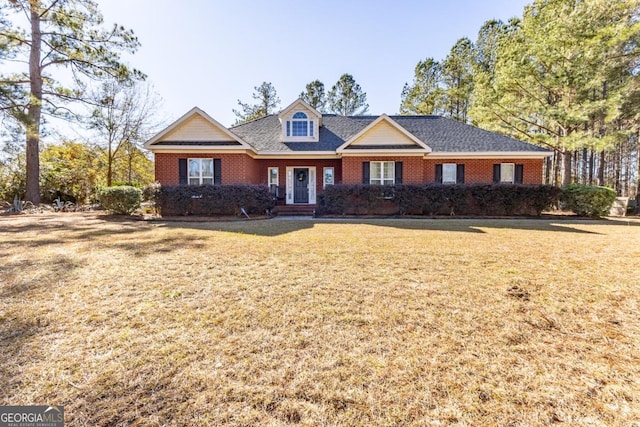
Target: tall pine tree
457, 77
268, 101
346, 97
315, 95
557, 79
425, 94
57, 35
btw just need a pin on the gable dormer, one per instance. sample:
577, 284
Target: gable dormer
300, 122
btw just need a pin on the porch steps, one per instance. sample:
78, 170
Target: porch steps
294, 210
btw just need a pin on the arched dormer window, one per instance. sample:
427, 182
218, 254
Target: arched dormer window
299, 125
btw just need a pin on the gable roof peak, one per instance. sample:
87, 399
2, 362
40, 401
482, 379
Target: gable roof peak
296, 105
421, 145
188, 115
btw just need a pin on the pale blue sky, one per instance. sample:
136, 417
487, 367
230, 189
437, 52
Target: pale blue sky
211, 53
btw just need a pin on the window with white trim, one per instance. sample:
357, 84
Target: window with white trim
200, 171
328, 177
382, 173
273, 179
449, 173
507, 173
299, 125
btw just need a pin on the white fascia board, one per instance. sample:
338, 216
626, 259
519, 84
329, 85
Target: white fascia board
195, 149
491, 155
296, 155
383, 152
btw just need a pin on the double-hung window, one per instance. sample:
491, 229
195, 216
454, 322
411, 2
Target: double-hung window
382, 173
449, 173
507, 173
200, 171
328, 177
273, 180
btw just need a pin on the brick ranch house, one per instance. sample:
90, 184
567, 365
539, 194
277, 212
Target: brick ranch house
300, 151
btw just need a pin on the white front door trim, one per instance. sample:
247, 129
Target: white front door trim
312, 184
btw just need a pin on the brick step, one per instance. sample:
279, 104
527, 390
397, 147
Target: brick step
294, 210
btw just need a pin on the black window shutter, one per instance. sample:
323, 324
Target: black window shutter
182, 171
460, 174
519, 174
217, 172
366, 173
439, 173
496, 173
398, 172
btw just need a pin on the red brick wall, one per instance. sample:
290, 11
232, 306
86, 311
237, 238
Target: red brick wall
241, 168
480, 171
236, 168
412, 168
282, 164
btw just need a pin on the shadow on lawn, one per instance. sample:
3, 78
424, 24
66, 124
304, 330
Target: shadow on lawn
272, 228
93, 227
17, 224
34, 275
15, 334
95, 230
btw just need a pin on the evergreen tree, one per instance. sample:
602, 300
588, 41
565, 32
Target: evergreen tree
457, 77
551, 69
346, 97
60, 34
315, 96
486, 48
425, 95
267, 99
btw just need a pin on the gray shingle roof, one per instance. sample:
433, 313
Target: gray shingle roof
203, 143
439, 133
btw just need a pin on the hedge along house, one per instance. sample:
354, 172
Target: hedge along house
300, 151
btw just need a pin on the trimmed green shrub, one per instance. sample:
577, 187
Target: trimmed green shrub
437, 199
507, 199
118, 183
150, 193
211, 200
358, 199
121, 200
587, 200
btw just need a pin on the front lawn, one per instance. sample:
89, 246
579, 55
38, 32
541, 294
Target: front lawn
323, 322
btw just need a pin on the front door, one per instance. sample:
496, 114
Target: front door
301, 185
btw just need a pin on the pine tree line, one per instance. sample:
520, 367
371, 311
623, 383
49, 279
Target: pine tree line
345, 98
563, 76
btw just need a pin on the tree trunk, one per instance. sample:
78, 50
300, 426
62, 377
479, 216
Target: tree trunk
601, 162
35, 109
131, 154
591, 160
638, 171
109, 170
566, 167
585, 166
556, 167
626, 184
547, 171
617, 166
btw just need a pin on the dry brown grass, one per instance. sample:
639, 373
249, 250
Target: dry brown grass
386, 323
